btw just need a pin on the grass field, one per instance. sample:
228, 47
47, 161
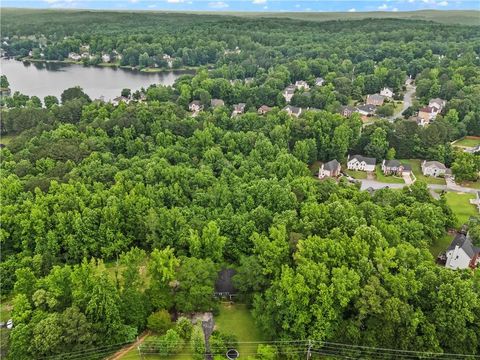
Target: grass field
471, 184
387, 179
440, 245
5, 310
356, 174
468, 141
461, 207
417, 171
5, 139
236, 319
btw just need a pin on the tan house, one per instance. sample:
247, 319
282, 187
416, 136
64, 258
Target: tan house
262, 110
329, 169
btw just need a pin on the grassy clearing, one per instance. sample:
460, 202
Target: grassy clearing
387, 179
417, 171
6, 139
236, 319
5, 310
461, 207
468, 141
440, 245
356, 174
133, 354
471, 184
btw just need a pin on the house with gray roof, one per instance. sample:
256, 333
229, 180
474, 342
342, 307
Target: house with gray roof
361, 163
387, 92
367, 109
462, 254
288, 93
347, 111
195, 106
433, 168
238, 109
293, 110
319, 81
330, 169
395, 167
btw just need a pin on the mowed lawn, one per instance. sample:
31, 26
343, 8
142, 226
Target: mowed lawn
417, 171
236, 319
461, 207
468, 141
355, 174
387, 179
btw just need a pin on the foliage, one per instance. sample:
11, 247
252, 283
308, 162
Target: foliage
159, 321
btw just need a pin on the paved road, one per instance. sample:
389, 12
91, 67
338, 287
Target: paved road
407, 100
451, 186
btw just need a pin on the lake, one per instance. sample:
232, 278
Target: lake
42, 79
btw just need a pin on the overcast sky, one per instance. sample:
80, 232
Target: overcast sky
251, 5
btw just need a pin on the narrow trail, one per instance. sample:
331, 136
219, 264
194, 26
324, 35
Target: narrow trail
119, 354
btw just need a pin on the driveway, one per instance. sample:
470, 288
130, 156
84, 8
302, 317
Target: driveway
453, 186
407, 101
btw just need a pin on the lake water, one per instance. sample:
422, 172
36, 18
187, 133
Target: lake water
42, 79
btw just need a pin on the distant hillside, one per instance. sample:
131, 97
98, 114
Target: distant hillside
464, 17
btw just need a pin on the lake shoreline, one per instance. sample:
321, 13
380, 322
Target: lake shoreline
103, 65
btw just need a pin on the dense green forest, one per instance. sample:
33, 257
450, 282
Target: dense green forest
113, 215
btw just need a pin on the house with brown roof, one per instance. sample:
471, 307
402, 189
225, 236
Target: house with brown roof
375, 99
427, 114
262, 110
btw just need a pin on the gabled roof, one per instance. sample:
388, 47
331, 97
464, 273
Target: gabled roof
331, 165
367, 108
392, 163
376, 97
434, 164
464, 243
428, 109
293, 109
195, 102
264, 108
360, 158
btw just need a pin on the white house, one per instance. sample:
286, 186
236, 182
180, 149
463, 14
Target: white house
288, 93
461, 254
319, 81
361, 163
329, 169
293, 110
300, 84
105, 58
74, 56
238, 109
433, 168
195, 106
387, 92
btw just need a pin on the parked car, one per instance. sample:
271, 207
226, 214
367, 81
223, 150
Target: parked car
10, 324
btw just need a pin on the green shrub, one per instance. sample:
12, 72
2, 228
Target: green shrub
159, 321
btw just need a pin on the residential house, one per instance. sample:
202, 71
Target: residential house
395, 167
367, 109
116, 101
195, 106
262, 110
433, 168
238, 109
288, 93
461, 254
330, 169
216, 103
437, 103
293, 110
105, 58
375, 99
300, 84
361, 163
168, 59
74, 56
387, 92
248, 80
319, 81
347, 111
427, 114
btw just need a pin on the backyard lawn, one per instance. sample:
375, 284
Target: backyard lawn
417, 171
236, 319
461, 207
468, 141
387, 179
356, 174
441, 245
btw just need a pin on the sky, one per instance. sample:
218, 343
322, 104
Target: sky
250, 5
